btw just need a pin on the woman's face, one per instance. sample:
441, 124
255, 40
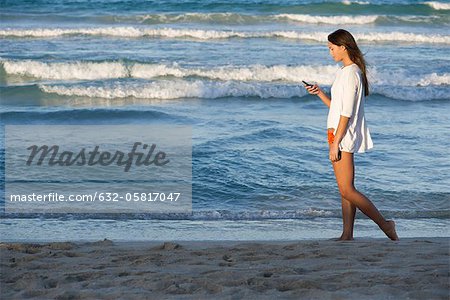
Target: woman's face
337, 52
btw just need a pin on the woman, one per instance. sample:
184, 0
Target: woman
347, 130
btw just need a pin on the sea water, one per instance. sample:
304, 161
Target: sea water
232, 70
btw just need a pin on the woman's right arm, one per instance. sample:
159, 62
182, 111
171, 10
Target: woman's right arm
315, 90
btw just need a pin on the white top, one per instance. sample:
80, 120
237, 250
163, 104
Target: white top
347, 99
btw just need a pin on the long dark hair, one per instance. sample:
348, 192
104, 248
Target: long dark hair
344, 38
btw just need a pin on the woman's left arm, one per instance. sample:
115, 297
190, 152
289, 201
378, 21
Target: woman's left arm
340, 132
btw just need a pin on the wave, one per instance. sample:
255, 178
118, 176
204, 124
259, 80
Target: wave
358, 7
435, 79
62, 71
229, 18
241, 73
335, 20
174, 89
348, 2
178, 88
86, 70
438, 5
403, 78
238, 18
414, 94
248, 19
214, 215
322, 74
140, 32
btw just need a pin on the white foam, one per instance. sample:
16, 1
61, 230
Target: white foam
317, 73
404, 37
186, 17
317, 212
56, 32
225, 17
245, 18
173, 89
418, 19
404, 78
438, 5
66, 70
348, 2
137, 32
335, 20
435, 79
180, 88
321, 74
102, 70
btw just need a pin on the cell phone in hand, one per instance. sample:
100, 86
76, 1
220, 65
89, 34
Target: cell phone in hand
308, 84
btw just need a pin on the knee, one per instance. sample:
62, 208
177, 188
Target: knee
347, 192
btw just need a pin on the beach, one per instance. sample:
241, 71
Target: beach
250, 153
231, 74
366, 268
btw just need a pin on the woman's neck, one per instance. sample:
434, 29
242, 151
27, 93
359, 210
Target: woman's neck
347, 61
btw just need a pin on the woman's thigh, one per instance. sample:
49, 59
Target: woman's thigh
344, 170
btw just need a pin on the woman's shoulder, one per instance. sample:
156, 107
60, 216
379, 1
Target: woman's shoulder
351, 71
353, 68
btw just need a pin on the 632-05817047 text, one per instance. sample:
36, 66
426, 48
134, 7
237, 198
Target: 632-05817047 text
102, 197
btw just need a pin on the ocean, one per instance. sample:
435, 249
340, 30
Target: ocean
232, 70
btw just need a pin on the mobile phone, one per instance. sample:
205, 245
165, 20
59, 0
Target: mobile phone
339, 155
308, 84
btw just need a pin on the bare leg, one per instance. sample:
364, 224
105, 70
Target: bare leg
344, 172
348, 214
348, 218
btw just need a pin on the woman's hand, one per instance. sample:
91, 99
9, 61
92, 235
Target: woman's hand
334, 152
313, 90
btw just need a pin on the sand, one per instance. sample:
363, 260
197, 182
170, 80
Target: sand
412, 268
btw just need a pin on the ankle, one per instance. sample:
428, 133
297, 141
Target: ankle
347, 235
384, 225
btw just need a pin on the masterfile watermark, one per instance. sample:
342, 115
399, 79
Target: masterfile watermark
121, 168
53, 156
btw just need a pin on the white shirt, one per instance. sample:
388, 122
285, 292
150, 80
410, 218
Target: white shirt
347, 99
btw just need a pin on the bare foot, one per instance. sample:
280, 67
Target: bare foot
389, 230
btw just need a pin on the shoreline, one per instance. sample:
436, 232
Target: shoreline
375, 268
46, 230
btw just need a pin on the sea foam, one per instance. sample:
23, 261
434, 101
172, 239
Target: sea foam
438, 5
321, 74
200, 34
